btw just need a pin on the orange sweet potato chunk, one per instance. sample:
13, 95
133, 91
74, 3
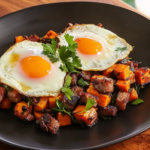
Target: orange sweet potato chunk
88, 117
133, 95
38, 115
19, 39
109, 72
42, 104
142, 75
123, 85
50, 35
63, 120
122, 71
132, 77
22, 110
6, 103
104, 99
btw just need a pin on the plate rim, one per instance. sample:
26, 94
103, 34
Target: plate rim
86, 148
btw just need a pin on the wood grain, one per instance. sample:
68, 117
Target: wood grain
139, 142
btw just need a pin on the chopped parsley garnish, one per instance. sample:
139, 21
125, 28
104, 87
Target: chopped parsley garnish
60, 107
121, 48
90, 103
7, 88
67, 54
29, 102
105, 118
113, 98
137, 101
137, 87
50, 51
129, 58
65, 89
83, 83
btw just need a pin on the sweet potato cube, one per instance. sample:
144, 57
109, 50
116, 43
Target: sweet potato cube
6, 103
63, 120
22, 110
38, 115
42, 104
132, 77
96, 76
18, 39
50, 35
89, 117
122, 71
52, 101
109, 72
104, 100
133, 95
142, 76
122, 100
123, 85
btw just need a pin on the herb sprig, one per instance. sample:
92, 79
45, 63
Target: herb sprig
83, 83
90, 103
50, 51
121, 49
137, 101
67, 54
66, 89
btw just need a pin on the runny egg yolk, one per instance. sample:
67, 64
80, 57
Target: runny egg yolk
35, 66
88, 46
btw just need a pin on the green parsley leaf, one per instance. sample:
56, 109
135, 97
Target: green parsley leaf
105, 118
29, 102
133, 46
83, 83
60, 107
7, 88
53, 58
69, 39
137, 87
137, 101
67, 81
129, 58
113, 98
67, 54
90, 103
63, 68
121, 49
50, 50
67, 92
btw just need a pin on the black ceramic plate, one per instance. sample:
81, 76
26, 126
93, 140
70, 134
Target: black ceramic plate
128, 25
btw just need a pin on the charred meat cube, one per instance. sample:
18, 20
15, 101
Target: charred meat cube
74, 78
48, 123
122, 100
78, 91
70, 104
14, 96
89, 117
86, 75
34, 38
123, 61
104, 85
2, 93
132, 67
29, 117
86, 96
108, 111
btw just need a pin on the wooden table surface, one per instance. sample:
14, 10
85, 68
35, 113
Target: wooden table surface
139, 142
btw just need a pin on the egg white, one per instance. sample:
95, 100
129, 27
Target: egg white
109, 41
11, 73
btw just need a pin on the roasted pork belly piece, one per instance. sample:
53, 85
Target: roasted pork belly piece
86, 75
14, 96
48, 123
74, 78
104, 85
122, 100
108, 111
78, 91
86, 96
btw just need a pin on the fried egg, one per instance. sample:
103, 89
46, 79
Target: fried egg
24, 68
97, 47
